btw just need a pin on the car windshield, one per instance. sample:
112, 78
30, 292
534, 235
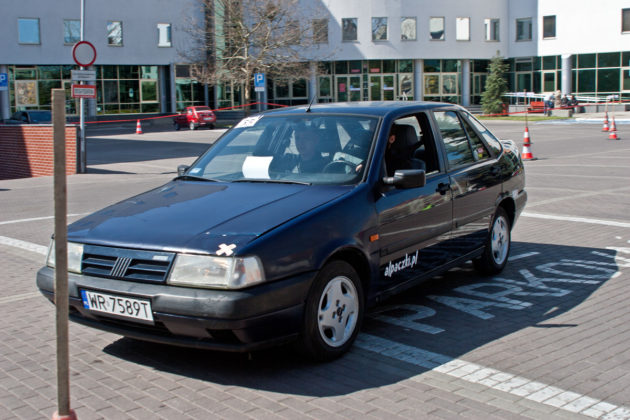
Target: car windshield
311, 149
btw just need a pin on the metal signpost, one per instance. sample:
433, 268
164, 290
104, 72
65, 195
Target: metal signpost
84, 54
260, 84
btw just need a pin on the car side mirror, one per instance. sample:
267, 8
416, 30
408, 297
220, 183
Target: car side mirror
181, 169
407, 178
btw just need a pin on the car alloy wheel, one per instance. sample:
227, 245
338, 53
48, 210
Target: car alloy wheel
500, 239
338, 311
191, 125
497, 248
333, 313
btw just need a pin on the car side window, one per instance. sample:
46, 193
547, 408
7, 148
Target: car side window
480, 152
410, 145
458, 151
491, 140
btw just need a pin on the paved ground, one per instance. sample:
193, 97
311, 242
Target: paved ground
549, 338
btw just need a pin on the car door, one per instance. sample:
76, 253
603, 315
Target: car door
413, 223
475, 181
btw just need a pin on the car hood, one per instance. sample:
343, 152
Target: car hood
193, 216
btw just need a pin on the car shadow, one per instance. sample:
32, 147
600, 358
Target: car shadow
462, 312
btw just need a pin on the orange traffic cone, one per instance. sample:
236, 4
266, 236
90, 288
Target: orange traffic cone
527, 152
138, 128
613, 131
605, 127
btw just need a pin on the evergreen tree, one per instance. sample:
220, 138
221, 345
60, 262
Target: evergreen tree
496, 86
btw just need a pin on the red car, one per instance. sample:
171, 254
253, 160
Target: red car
195, 116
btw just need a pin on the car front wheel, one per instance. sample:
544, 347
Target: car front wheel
334, 311
192, 125
497, 249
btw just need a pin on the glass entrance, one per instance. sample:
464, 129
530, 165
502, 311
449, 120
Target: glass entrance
382, 87
348, 88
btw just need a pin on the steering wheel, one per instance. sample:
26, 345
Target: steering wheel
339, 167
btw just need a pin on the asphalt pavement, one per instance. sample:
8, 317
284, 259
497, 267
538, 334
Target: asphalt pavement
549, 338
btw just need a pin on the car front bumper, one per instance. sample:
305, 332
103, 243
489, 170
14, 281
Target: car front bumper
229, 320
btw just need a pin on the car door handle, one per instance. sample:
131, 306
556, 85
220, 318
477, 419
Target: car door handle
442, 188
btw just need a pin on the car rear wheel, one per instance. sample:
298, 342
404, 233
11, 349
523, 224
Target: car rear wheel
176, 126
334, 311
192, 125
497, 250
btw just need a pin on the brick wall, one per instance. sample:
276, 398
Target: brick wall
27, 151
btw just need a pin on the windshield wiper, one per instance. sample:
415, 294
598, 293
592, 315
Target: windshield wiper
194, 178
271, 181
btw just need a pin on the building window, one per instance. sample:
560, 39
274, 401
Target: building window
436, 28
320, 31
379, 29
625, 20
491, 29
28, 30
408, 28
524, 29
71, 31
114, 33
462, 29
349, 28
164, 35
549, 27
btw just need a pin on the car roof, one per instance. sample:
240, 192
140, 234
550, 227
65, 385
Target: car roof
374, 108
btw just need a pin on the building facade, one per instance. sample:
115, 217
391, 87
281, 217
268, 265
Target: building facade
375, 49
138, 44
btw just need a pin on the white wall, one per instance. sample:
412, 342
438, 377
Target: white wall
583, 26
423, 47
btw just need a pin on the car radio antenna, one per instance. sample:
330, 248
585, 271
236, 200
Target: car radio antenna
311, 103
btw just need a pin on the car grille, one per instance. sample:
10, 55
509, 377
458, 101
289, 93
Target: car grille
126, 264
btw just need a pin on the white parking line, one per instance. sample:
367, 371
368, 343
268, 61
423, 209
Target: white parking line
35, 219
518, 257
576, 219
28, 246
492, 378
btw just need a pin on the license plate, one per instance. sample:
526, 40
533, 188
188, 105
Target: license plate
121, 306
207, 118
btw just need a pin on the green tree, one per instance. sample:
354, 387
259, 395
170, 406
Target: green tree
496, 86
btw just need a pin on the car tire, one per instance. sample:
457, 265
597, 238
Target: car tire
333, 312
497, 249
192, 125
211, 126
176, 126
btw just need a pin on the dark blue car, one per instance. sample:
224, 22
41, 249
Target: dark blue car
293, 223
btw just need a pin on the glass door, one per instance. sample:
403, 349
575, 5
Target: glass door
341, 88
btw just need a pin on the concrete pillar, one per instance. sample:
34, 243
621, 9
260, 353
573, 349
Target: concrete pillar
465, 82
418, 80
5, 106
171, 72
312, 80
162, 81
566, 74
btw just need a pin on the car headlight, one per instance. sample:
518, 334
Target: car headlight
75, 255
216, 272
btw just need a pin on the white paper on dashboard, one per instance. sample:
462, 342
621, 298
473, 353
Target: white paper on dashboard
257, 167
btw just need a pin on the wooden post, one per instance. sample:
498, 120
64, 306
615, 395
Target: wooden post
61, 254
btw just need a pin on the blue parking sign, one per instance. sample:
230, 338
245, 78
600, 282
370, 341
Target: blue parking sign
4, 81
259, 82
